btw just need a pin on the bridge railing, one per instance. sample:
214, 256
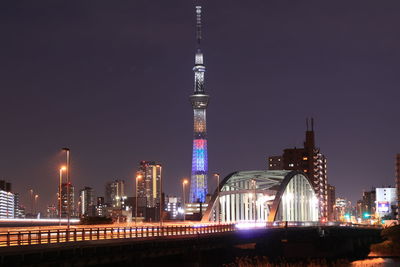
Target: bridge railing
35, 237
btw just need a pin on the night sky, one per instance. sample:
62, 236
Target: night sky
111, 80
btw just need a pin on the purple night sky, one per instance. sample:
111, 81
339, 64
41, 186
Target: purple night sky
111, 80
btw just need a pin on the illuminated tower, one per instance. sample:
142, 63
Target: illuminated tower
199, 100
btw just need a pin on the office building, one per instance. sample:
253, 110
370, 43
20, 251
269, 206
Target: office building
331, 202
386, 202
343, 210
64, 200
369, 204
173, 206
149, 189
100, 207
86, 199
6, 204
115, 194
19, 210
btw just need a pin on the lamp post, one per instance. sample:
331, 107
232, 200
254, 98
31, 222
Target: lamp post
67, 150
138, 177
63, 168
184, 183
31, 194
36, 200
218, 215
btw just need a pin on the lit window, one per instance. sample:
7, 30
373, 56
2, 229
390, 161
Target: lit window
305, 158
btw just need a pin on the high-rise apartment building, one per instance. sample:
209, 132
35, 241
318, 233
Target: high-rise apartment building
64, 200
331, 202
86, 200
312, 162
199, 100
115, 194
149, 186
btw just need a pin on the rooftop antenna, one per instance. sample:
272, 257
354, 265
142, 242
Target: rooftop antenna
312, 124
198, 24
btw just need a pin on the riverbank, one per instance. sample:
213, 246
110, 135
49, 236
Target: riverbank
390, 247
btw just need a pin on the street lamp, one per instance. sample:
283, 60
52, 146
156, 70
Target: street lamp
184, 183
218, 216
67, 150
36, 199
63, 168
138, 177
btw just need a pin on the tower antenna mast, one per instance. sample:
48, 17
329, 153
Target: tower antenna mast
198, 25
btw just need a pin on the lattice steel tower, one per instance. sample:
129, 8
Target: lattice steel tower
199, 100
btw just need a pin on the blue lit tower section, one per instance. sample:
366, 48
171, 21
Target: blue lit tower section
199, 100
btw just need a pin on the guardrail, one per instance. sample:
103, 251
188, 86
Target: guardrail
35, 237
49, 236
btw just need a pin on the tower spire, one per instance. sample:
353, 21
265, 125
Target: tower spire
199, 100
198, 25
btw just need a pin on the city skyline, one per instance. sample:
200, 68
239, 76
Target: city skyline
114, 91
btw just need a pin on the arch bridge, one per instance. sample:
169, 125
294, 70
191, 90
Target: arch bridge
263, 196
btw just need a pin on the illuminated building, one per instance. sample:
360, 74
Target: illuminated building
386, 201
86, 199
172, 205
398, 185
51, 212
64, 200
199, 100
149, 190
343, 210
115, 194
310, 161
19, 210
100, 207
263, 196
369, 205
331, 201
275, 163
6, 204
